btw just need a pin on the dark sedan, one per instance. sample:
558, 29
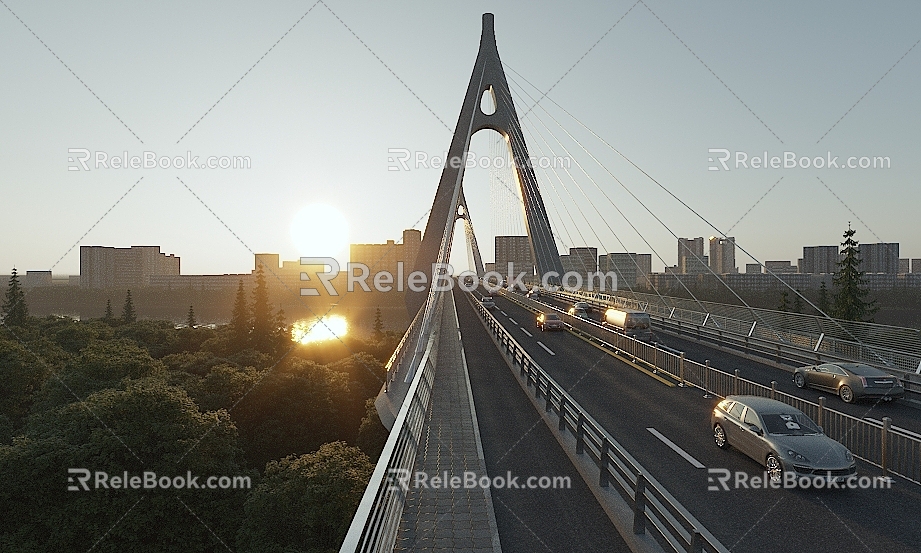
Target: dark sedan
850, 381
549, 321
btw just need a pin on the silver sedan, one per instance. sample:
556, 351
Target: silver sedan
850, 381
780, 437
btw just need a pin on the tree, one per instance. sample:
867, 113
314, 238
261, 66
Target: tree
190, 319
128, 314
824, 304
109, 317
850, 288
378, 329
15, 310
784, 302
305, 503
798, 302
239, 318
263, 319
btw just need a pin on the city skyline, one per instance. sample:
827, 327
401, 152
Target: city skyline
638, 62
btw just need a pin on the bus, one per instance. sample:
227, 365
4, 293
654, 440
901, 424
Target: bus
631, 322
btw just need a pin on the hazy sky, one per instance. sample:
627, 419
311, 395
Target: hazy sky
318, 113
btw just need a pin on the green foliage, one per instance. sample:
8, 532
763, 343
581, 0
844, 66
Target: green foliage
784, 302
239, 319
129, 315
190, 321
850, 288
305, 504
798, 302
15, 310
372, 435
823, 303
147, 426
21, 377
377, 331
109, 317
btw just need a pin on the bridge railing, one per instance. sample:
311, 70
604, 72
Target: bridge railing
752, 338
376, 522
804, 337
654, 508
891, 449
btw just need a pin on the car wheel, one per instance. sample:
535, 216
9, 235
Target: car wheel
719, 436
774, 468
846, 394
799, 380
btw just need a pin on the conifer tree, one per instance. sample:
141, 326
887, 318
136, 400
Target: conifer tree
128, 313
850, 288
190, 318
239, 318
15, 310
109, 317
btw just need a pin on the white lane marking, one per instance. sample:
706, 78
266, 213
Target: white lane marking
503, 312
528, 333
687, 456
539, 343
902, 430
513, 321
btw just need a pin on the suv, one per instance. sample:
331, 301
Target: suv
549, 321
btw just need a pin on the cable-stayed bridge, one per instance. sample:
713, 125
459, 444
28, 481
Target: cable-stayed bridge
504, 437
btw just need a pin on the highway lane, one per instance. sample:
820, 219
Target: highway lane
627, 402
515, 439
902, 414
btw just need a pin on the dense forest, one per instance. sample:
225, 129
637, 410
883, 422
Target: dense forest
120, 395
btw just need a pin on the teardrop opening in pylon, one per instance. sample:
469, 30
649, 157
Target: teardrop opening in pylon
488, 102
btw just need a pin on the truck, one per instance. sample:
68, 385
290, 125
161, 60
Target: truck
631, 322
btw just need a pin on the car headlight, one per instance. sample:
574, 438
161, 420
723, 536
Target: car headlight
848, 456
796, 456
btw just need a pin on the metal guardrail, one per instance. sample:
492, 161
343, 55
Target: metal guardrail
891, 449
654, 508
376, 522
889, 347
406, 345
741, 336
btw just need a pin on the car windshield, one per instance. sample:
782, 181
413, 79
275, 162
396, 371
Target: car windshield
552, 317
789, 424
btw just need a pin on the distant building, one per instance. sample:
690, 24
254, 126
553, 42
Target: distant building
723, 255
103, 267
779, 267
880, 258
753, 268
36, 279
489, 267
643, 269
517, 251
916, 266
566, 262
632, 269
691, 258
387, 257
820, 259
584, 260
904, 266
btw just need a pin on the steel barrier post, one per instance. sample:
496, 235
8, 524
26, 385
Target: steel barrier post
580, 434
562, 412
773, 389
603, 476
707, 379
639, 505
887, 424
697, 542
735, 383
681, 370
821, 414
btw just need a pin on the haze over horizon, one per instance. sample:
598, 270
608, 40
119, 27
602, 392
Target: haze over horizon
317, 115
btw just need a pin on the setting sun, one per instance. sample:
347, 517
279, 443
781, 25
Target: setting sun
307, 331
319, 230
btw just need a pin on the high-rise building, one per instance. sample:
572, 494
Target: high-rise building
904, 266
643, 269
753, 268
916, 265
105, 267
691, 258
517, 251
388, 256
631, 269
820, 259
723, 255
779, 267
879, 258
584, 260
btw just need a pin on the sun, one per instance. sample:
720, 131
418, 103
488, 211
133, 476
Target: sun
319, 230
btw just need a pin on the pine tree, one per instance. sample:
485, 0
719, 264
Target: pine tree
261, 338
784, 303
378, 329
15, 310
823, 304
798, 302
239, 318
850, 288
190, 319
109, 317
128, 314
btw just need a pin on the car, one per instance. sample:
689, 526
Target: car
534, 293
578, 312
850, 381
781, 438
584, 305
488, 302
549, 321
